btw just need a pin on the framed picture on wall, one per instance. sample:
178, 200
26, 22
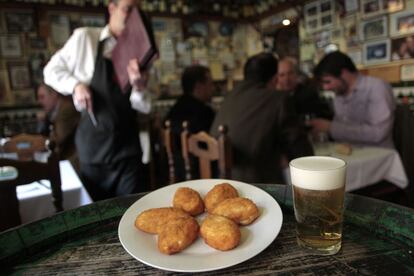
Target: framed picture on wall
371, 8
407, 72
19, 22
59, 29
19, 75
351, 6
10, 46
402, 48
92, 21
376, 52
355, 55
392, 5
402, 23
374, 28
319, 14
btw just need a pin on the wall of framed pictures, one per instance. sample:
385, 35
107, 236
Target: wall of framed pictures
374, 33
29, 34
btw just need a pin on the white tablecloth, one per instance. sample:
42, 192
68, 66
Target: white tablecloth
35, 199
369, 165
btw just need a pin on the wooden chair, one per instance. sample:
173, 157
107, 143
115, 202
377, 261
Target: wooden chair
207, 149
28, 170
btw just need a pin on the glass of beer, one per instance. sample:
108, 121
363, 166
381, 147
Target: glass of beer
318, 184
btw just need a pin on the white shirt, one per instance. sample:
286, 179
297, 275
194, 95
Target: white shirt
75, 63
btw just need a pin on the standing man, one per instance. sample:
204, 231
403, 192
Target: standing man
193, 106
109, 151
263, 128
303, 94
63, 117
364, 106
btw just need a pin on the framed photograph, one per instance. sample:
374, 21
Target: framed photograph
37, 43
402, 48
356, 56
10, 46
197, 29
376, 52
20, 22
319, 15
351, 6
92, 21
371, 8
351, 32
402, 23
19, 75
374, 28
59, 29
407, 72
392, 5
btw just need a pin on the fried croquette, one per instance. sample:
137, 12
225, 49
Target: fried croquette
219, 193
241, 210
177, 235
150, 220
220, 232
189, 201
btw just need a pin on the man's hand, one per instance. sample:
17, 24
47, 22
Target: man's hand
82, 97
137, 79
319, 125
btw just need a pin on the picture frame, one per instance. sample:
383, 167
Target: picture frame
374, 28
20, 21
19, 75
356, 56
319, 15
37, 43
402, 48
407, 72
351, 6
391, 6
59, 29
196, 29
350, 32
402, 23
371, 8
95, 20
376, 52
11, 46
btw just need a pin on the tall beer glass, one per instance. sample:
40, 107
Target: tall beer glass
318, 184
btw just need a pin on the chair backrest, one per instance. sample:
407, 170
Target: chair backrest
28, 171
207, 149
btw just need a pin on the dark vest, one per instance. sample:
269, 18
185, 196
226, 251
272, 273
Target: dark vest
116, 136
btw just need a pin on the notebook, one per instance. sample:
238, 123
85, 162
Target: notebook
136, 41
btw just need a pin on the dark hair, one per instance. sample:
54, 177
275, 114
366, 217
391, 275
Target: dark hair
332, 64
261, 67
192, 75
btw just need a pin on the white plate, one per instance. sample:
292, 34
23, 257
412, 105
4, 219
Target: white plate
200, 257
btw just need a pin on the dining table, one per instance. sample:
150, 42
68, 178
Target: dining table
366, 165
378, 238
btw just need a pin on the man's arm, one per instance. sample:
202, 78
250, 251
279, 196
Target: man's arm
59, 72
379, 120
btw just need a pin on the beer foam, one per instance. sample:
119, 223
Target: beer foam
318, 172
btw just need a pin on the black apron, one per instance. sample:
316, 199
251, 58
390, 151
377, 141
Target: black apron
110, 153
116, 136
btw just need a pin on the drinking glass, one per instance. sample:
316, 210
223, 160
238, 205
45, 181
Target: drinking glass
318, 184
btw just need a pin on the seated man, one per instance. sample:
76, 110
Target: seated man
193, 107
263, 129
63, 118
364, 106
304, 95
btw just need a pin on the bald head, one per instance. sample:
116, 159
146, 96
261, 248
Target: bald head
287, 77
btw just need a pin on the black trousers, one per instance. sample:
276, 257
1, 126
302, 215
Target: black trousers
104, 181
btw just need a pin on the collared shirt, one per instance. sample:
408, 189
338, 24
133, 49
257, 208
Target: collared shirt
75, 63
366, 115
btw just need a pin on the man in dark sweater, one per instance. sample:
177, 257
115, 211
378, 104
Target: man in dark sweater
193, 107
